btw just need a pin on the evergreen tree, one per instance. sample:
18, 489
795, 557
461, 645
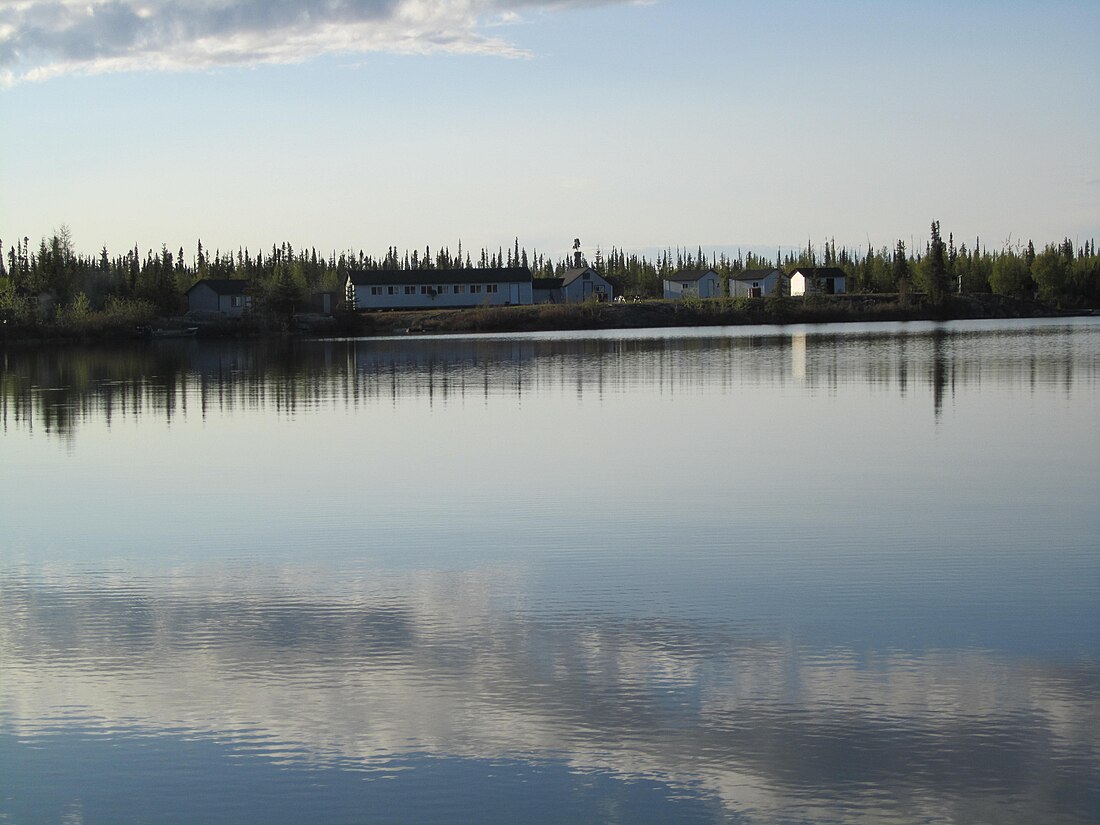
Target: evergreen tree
937, 279
901, 270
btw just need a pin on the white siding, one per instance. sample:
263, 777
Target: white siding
708, 286
585, 288
767, 285
435, 296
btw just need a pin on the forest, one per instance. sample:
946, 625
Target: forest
54, 284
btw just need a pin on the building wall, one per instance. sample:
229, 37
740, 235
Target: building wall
202, 298
706, 287
546, 296
743, 289
673, 290
585, 288
234, 305
710, 286
801, 285
419, 296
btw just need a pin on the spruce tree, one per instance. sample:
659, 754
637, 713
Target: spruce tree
937, 268
901, 271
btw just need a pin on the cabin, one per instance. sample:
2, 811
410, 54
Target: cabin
818, 280
225, 295
758, 283
583, 283
700, 283
438, 288
546, 290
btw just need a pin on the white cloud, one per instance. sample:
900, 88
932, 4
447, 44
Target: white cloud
40, 39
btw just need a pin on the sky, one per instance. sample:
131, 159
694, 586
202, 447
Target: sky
638, 124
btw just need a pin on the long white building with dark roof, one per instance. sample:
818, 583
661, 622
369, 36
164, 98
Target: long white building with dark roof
436, 288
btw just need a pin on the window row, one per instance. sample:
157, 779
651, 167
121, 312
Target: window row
442, 289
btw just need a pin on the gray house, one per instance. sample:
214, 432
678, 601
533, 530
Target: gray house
818, 280
223, 295
700, 283
756, 283
585, 284
436, 288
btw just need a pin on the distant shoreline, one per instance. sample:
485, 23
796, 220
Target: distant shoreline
850, 308
692, 313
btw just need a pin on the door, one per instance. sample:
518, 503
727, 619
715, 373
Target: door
513, 293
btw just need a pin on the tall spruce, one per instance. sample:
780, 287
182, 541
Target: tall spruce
901, 269
937, 268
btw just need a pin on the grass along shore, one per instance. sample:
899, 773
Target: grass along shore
689, 312
695, 312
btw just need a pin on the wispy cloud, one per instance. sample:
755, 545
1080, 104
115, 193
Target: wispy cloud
40, 39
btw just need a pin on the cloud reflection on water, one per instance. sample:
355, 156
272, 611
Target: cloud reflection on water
822, 574
357, 674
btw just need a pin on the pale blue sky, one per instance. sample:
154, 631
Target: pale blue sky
676, 122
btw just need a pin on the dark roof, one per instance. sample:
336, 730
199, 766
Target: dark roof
816, 272
691, 275
398, 277
223, 286
546, 283
754, 274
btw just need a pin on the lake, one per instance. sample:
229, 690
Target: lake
839, 573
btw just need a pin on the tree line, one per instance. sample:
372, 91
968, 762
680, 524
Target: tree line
54, 278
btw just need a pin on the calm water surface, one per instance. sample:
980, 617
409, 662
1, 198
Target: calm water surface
770, 575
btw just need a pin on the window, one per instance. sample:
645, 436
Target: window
376, 290
460, 289
491, 288
443, 289
475, 288
391, 290
236, 301
423, 290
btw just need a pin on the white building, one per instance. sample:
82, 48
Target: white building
757, 283
818, 280
701, 283
436, 288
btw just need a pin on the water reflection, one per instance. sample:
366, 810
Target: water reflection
774, 575
374, 674
56, 390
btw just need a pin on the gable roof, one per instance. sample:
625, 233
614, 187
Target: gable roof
222, 286
692, 275
816, 272
755, 274
576, 272
406, 277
